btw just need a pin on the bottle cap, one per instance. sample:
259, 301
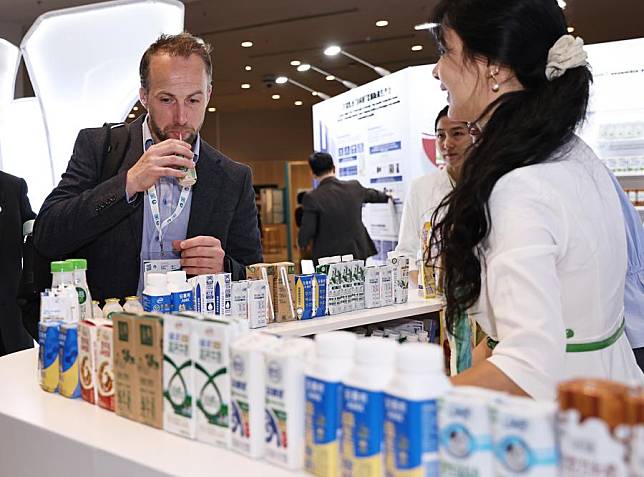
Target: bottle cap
131, 298
61, 266
423, 335
420, 358
376, 351
335, 344
156, 280
79, 263
176, 277
111, 300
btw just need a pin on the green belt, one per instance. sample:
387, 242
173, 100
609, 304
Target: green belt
582, 347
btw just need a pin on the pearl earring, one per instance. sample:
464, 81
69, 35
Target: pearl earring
495, 86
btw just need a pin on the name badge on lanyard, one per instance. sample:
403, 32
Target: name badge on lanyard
156, 215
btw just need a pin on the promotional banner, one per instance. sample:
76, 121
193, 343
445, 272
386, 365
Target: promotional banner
382, 134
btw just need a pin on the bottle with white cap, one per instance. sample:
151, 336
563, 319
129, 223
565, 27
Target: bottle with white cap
323, 388
411, 414
362, 407
156, 297
182, 294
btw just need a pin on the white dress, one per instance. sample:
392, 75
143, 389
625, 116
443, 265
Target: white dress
555, 260
425, 193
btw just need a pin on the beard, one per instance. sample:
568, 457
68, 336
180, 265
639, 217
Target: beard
188, 134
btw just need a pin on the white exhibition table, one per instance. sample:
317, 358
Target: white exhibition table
43, 434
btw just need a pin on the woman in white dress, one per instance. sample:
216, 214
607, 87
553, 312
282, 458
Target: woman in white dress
426, 192
532, 236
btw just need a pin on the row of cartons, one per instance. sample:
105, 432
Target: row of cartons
281, 284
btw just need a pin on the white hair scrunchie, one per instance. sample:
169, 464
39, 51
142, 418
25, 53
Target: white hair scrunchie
567, 52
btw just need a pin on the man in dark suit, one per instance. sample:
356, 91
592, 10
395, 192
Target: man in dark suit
332, 216
15, 210
144, 213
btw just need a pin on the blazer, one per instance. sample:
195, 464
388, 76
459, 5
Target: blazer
93, 220
14, 211
332, 219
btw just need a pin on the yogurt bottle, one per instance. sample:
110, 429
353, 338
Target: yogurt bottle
156, 296
182, 294
112, 305
132, 305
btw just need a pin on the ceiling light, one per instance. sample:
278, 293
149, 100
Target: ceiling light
276, 96
571, 29
304, 67
212, 110
561, 3
296, 63
382, 23
314, 93
247, 44
332, 50
131, 116
135, 108
416, 47
248, 67
425, 26
298, 103
281, 79
330, 77
245, 86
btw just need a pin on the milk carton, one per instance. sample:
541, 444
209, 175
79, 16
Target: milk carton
336, 302
304, 301
48, 355
348, 288
372, 288
126, 375
259, 307
104, 365
178, 377
400, 268
264, 271
283, 286
211, 357
320, 294
239, 299
285, 402
87, 352
465, 433
69, 384
212, 294
358, 284
386, 285
149, 362
525, 441
248, 430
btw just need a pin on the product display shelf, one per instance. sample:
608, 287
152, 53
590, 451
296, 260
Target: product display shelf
413, 308
47, 434
635, 174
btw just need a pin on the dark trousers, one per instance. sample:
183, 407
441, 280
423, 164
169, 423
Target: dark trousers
639, 356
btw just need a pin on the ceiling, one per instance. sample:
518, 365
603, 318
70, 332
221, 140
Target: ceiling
285, 30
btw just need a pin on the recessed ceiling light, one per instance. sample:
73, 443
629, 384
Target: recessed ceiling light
571, 29
298, 103
135, 108
304, 67
131, 116
245, 86
276, 96
561, 3
314, 93
212, 110
296, 63
281, 79
247, 44
332, 50
425, 26
248, 67
416, 47
382, 23
330, 77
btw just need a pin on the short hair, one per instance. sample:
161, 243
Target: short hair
184, 44
321, 163
300, 196
441, 114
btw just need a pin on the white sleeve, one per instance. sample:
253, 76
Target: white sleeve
409, 233
523, 289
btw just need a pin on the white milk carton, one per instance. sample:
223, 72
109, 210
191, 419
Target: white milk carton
239, 299
248, 364
259, 305
465, 432
211, 357
178, 377
212, 294
285, 402
372, 290
358, 284
386, 285
400, 267
525, 440
348, 289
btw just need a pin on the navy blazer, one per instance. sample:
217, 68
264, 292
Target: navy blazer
92, 220
15, 210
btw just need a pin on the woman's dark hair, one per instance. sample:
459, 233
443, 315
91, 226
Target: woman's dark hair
321, 163
441, 114
525, 127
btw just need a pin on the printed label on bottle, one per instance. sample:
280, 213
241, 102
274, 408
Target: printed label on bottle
411, 438
323, 412
362, 432
157, 304
182, 301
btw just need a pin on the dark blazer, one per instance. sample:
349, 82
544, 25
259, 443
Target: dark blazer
95, 221
332, 219
14, 211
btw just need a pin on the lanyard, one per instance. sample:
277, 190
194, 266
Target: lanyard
156, 215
